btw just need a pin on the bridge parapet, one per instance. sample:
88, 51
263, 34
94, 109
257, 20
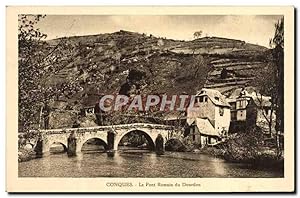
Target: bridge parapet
106, 128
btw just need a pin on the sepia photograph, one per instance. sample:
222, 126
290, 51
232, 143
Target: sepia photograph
154, 95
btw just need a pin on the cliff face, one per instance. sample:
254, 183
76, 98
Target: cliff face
132, 63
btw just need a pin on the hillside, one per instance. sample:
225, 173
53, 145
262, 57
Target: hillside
133, 63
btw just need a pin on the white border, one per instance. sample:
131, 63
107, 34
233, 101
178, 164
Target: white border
110, 2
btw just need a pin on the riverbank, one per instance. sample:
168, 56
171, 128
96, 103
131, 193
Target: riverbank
25, 154
266, 158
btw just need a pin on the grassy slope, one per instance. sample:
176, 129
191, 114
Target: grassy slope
101, 63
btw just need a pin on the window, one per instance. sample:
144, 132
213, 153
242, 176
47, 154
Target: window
221, 111
223, 132
240, 103
266, 111
209, 140
193, 132
201, 98
205, 99
217, 98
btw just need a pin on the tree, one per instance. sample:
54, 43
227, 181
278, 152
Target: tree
270, 81
265, 81
278, 55
29, 43
38, 61
243, 147
198, 34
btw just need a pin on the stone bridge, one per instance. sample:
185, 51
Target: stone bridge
73, 139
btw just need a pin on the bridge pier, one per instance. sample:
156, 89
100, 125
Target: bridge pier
159, 145
72, 145
40, 149
111, 144
111, 153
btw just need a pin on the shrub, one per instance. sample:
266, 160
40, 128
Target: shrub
248, 147
244, 147
175, 145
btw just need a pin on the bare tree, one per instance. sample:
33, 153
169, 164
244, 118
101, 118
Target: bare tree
270, 80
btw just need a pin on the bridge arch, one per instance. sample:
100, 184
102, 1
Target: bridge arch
82, 140
98, 139
65, 148
149, 137
48, 145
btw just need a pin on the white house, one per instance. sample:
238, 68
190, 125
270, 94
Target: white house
209, 118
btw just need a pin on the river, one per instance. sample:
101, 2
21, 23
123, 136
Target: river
138, 163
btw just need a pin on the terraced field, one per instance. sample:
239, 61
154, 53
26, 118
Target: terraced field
103, 62
236, 73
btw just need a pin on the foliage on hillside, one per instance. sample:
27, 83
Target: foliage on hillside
105, 62
71, 69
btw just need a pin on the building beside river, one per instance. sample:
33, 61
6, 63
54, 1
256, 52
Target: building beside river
214, 116
209, 120
250, 109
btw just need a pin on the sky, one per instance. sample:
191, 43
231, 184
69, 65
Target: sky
256, 29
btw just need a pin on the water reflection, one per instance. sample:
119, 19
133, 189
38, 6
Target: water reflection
78, 159
137, 163
116, 158
219, 168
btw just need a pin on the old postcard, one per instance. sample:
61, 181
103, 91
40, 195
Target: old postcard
150, 99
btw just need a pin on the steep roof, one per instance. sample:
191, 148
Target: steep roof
205, 127
190, 121
258, 99
215, 96
249, 92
